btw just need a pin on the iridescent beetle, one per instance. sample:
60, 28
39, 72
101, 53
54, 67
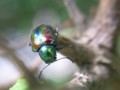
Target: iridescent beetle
44, 41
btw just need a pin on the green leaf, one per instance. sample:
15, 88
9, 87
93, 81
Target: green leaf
21, 84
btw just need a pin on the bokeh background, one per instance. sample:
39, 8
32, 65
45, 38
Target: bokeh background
18, 18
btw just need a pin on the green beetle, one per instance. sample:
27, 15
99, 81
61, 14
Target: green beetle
43, 41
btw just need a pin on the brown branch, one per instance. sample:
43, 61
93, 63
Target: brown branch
101, 31
76, 16
96, 42
75, 51
11, 53
100, 34
98, 38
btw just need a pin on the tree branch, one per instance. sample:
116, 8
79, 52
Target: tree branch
76, 16
96, 42
11, 52
101, 31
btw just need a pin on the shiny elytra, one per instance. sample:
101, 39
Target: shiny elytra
43, 34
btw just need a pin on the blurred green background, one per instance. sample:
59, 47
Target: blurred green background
19, 14
19, 17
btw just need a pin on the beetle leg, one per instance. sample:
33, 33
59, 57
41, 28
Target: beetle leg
42, 70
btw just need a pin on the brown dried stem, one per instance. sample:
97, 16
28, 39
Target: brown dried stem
11, 53
98, 37
101, 31
96, 42
76, 16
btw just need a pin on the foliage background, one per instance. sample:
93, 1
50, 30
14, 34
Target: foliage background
18, 17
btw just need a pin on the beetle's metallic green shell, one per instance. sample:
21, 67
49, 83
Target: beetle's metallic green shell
47, 53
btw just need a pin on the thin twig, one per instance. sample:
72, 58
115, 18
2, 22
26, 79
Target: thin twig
76, 15
11, 52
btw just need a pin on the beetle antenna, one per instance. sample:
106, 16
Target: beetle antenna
47, 66
42, 70
64, 58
